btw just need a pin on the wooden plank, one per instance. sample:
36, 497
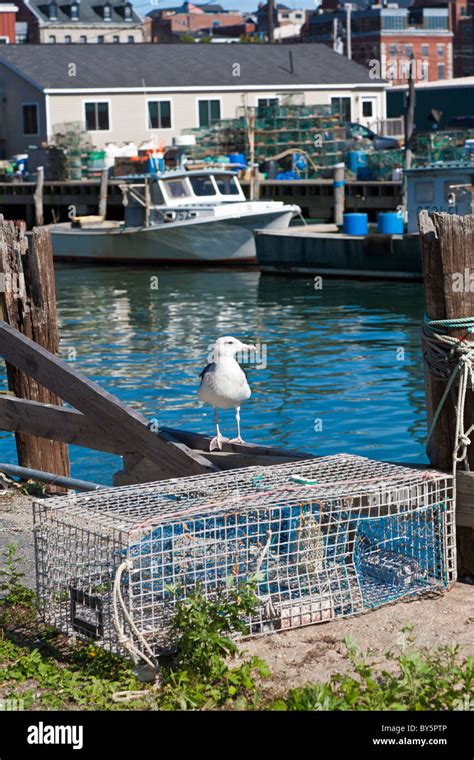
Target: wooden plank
29, 305
109, 413
57, 423
201, 442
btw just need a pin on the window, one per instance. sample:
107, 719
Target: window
440, 70
202, 186
440, 51
367, 108
424, 192
343, 107
227, 184
107, 12
131, 38
425, 51
51, 38
83, 38
115, 38
159, 114
74, 11
267, 102
209, 112
409, 51
216, 22
128, 12
67, 39
30, 118
463, 11
392, 51
100, 39
97, 116
176, 188
425, 70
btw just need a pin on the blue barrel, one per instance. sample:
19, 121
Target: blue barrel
390, 223
356, 159
365, 173
238, 159
356, 224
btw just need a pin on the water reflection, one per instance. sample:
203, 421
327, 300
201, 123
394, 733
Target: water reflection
343, 366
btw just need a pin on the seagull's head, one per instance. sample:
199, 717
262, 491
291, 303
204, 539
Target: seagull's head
229, 346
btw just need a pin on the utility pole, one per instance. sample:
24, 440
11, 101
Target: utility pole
270, 20
349, 30
409, 120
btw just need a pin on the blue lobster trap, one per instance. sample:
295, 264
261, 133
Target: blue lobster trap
319, 539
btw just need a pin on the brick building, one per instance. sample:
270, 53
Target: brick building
8, 13
169, 24
387, 37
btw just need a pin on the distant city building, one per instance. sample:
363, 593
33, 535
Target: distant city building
461, 14
386, 38
94, 21
8, 13
287, 22
209, 19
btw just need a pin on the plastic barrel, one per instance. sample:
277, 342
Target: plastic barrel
238, 159
390, 223
356, 159
355, 224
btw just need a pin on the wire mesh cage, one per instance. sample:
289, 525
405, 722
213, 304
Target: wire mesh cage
320, 539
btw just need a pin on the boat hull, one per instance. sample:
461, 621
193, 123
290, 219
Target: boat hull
300, 251
227, 240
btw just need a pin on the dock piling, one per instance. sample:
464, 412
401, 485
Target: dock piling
447, 243
29, 305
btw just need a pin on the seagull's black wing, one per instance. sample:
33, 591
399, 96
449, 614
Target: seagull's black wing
206, 369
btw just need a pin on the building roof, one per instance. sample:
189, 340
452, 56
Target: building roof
180, 66
90, 12
438, 83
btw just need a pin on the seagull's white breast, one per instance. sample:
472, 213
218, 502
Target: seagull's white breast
224, 384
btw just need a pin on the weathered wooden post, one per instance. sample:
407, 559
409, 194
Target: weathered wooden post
29, 305
104, 182
339, 191
38, 197
447, 244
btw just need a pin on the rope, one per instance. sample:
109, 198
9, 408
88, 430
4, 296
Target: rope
450, 358
127, 641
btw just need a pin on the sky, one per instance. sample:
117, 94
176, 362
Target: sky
240, 5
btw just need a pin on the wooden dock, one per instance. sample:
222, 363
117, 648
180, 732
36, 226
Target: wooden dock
319, 249
61, 200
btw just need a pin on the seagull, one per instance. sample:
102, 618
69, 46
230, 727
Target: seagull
224, 384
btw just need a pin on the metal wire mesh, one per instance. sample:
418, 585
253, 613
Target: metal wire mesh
321, 539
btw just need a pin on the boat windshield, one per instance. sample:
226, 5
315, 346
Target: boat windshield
202, 185
227, 184
176, 188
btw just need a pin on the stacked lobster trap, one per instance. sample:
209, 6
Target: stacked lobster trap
319, 539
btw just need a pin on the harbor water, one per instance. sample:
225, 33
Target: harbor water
339, 367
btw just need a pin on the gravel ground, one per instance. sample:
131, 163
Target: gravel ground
314, 652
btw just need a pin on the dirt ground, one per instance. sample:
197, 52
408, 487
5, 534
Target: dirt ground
314, 652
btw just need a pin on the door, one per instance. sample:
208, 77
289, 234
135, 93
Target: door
368, 112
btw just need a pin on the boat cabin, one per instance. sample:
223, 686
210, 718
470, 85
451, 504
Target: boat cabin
445, 186
160, 198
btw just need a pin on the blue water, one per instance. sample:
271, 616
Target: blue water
343, 364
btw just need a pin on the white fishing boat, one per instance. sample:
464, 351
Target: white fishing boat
176, 217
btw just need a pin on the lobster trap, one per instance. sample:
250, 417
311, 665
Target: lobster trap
318, 539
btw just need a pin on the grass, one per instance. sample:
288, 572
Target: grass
47, 671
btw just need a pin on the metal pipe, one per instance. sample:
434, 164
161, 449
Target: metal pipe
49, 477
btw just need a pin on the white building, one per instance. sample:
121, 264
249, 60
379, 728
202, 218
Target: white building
125, 93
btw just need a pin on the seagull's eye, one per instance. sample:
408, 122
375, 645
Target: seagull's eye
230, 342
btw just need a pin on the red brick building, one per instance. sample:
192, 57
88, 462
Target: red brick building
8, 13
391, 40
169, 24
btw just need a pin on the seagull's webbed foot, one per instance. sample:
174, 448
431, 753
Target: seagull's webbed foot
237, 440
217, 442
